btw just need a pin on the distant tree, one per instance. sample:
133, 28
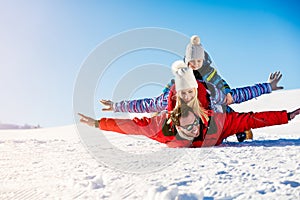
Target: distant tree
38, 126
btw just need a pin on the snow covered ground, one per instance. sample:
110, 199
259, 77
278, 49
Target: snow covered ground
53, 163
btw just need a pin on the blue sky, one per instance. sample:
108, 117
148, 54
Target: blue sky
44, 43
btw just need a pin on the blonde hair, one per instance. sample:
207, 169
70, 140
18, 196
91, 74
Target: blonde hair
196, 106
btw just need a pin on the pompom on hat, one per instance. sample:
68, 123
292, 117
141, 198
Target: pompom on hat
194, 50
184, 76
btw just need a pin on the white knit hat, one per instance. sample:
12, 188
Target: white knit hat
194, 50
184, 77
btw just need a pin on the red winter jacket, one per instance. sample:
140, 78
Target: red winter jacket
221, 126
203, 96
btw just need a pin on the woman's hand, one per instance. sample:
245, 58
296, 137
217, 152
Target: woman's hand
273, 79
228, 99
108, 103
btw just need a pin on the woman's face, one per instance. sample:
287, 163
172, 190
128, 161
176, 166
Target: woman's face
187, 95
196, 64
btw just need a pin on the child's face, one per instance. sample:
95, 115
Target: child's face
196, 64
187, 95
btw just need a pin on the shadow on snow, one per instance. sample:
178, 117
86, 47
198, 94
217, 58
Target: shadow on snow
264, 143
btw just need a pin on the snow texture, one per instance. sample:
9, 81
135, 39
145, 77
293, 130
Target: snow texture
53, 163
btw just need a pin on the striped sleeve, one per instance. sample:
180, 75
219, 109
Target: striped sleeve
240, 95
146, 105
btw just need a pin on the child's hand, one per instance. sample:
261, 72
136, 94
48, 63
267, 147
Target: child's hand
228, 99
107, 103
